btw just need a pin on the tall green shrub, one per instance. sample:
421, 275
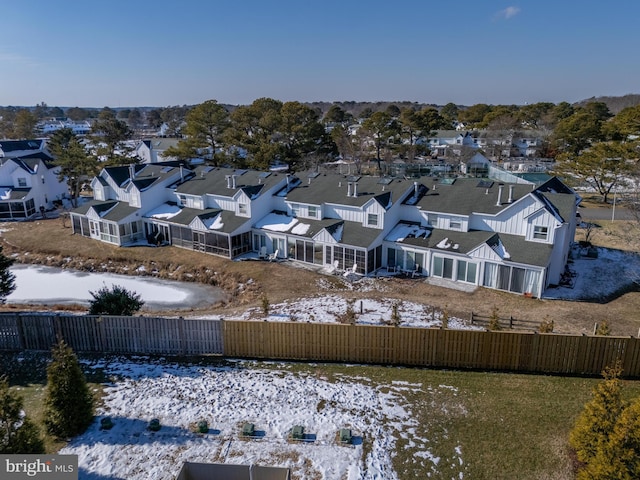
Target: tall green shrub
116, 300
69, 404
17, 433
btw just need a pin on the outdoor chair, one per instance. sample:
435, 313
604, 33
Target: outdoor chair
273, 256
416, 271
263, 253
335, 269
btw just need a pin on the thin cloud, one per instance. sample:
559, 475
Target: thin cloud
507, 13
7, 57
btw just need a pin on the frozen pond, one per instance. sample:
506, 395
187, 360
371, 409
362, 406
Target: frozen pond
49, 286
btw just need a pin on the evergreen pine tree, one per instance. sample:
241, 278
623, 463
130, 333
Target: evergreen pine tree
7, 279
68, 402
17, 433
596, 422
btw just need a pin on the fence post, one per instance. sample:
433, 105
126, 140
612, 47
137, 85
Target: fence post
510, 321
361, 308
20, 328
183, 340
471, 318
58, 328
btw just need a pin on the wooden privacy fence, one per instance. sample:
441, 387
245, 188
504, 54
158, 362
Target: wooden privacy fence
111, 334
428, 347
431, 347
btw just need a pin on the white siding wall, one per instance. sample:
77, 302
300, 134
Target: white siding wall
511, 220
485, 252
241, 198
266, 202
157, 195
409, 213
559, 254
6, 169
324, 237
374, 208
541, 218
350, 214
20, 173
223, 203
43, 193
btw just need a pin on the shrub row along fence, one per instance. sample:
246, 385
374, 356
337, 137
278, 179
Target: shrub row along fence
428, 347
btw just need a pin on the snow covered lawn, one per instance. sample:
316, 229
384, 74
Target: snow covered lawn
370, 311
273, 399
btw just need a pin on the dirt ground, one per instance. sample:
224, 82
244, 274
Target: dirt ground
51, 242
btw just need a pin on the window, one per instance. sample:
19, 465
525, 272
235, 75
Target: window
433, 220
182, 200
22, 182
466, 271
540, 233
242, 208
295, 209
372, 219
443, 267
455, 225
312, 211
512, 279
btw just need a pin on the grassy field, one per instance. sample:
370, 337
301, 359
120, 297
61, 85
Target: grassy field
505, 426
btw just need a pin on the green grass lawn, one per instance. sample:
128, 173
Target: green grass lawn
481, 424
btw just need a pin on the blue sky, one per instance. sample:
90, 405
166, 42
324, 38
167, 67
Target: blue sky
118, 53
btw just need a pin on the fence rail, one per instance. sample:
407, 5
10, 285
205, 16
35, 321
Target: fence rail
428, 347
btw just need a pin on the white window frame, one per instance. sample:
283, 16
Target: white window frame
540, 232
373, 219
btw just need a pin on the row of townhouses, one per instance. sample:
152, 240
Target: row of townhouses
511, 237
496, 145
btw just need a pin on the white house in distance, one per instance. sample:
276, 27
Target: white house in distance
28, 180
152, 149
512, 237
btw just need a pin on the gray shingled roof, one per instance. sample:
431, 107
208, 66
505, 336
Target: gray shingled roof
353, 233
333, 188
214, 181
464, 197
520, 251
357, 235
145, 174
16, 193
17, 145
97, 205
230, 221
119, 212
116, 210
